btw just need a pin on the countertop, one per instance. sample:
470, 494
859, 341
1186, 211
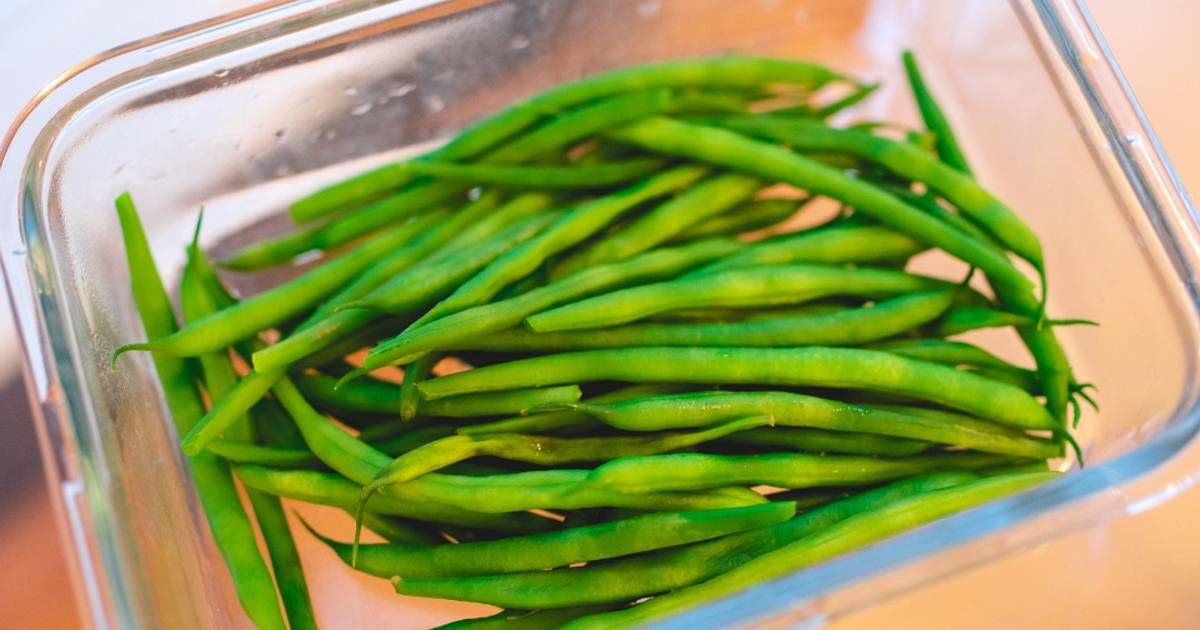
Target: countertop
1136, 571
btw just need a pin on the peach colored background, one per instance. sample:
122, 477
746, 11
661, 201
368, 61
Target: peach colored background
1135, 572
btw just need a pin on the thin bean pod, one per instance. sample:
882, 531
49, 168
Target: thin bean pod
832, 245
693, 409
573, 176
748, 217
551, 619
824, 441
739, 287
554, 420
935, 119
381, 397
842, 327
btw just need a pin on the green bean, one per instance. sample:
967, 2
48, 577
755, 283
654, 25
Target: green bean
700, 471
273, 306
576, 225
274, 251
731, 150
381, 397
814, 366
572, 176
397, 530
855, 97
563, 547
851, 533
550, 619
394, 445
739, 287
948, 352
833, 244
416, 372
748, 217
480, 320
842, 327
325, 488
201, 295
825, 441
630, 578
242, 453
708, 198
228, 410
419, 285
908, 162
931, 205
935, 119
967, 318
544, 450
798, 410
230, 527
554, 420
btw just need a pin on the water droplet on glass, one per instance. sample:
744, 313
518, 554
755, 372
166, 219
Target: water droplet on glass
361, 108
279, 135
221, 73
381, 100
435, 103
349, 90
1133, 139
649, 9
518, 42
400, 89
329, 134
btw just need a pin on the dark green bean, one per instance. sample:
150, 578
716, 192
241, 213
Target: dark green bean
842, 327
399, 531
832, 245
563, 547
935, 119
666, 570
572, 176
739, 287
700, 471
825, 441
731, 150
675, 411
480, 320
708, 198
851, 533
230, 527
966, 318
555, 420
551, 619
242, 453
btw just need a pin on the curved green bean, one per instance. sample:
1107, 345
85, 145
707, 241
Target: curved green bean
693, 409
381, 397
543, 422
571, 176
935, 119
824, 441
739, 287
841, 327
748, 217
832, 244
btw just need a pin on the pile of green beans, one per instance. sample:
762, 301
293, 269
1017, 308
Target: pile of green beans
631, 384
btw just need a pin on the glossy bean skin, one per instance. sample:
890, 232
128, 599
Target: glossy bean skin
709, 197
231, 528
740, 287
549, 619
832, 245
666, 570
966, 318
698, 471
853, 532
480, 320
562, 547
948, 149
732, 150
572, 176
841, 327
547, 421
814, 366
787, 409
381, 397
